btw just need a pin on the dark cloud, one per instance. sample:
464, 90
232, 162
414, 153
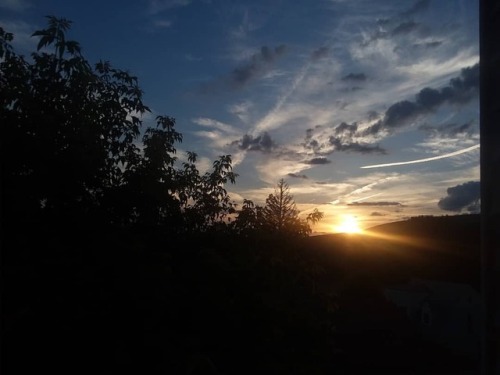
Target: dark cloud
400, 112
462, 197
401, 24
318, 161
341, 140
428, 45
459, 91
262, 142
293, 175
354, 77
404, 28
259, 63
346, 130
319, 53
362, 148
377, 214
371, 204
429, 99
418, 7
309, 134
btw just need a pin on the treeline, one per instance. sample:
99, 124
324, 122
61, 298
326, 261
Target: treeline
72, 152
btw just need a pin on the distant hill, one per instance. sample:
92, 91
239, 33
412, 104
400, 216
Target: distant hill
374, 335
437, 247
457, 228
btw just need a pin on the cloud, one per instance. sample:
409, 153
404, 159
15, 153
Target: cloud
22, 31
159, 6
318, 161
241, 110
418, 7
460, 90
346, 130
259, 64
428, 45
356, 147
359, 204
319, 53
375, 213
15, 5
451, 129
342, 138
162, 24
208, 122
465, 196
262, 142
295, 175
404, 28
354, 77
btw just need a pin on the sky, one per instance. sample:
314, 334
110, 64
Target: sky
367, 108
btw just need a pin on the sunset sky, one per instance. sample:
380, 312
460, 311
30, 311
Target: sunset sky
310, 91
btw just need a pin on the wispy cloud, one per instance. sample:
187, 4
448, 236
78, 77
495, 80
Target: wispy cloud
162, 24
159, 6
22, 34
268, 121
15, 5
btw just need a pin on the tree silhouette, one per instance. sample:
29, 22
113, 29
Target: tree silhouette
280, 210
68, 128
281, 215
70, 149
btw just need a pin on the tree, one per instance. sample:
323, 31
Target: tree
280, 211
69, 128
70, 146
250, 218
281, 214
206, 203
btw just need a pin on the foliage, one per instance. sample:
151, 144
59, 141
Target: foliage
281, 214
102, 197
205, 201
67, 127
73, 152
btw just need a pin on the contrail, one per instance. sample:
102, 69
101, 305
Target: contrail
266, 121
365, 198
455, 153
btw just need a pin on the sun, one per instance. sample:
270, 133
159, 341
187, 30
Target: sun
349, 224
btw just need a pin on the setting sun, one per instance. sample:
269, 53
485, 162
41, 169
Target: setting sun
349, 224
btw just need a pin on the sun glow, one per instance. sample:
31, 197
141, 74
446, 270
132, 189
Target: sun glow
349, 224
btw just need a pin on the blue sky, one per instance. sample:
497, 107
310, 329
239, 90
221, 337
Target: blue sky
309, 91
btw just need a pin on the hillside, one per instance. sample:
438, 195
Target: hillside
443, 248
375, 334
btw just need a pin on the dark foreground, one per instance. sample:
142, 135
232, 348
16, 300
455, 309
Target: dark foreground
105, 301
